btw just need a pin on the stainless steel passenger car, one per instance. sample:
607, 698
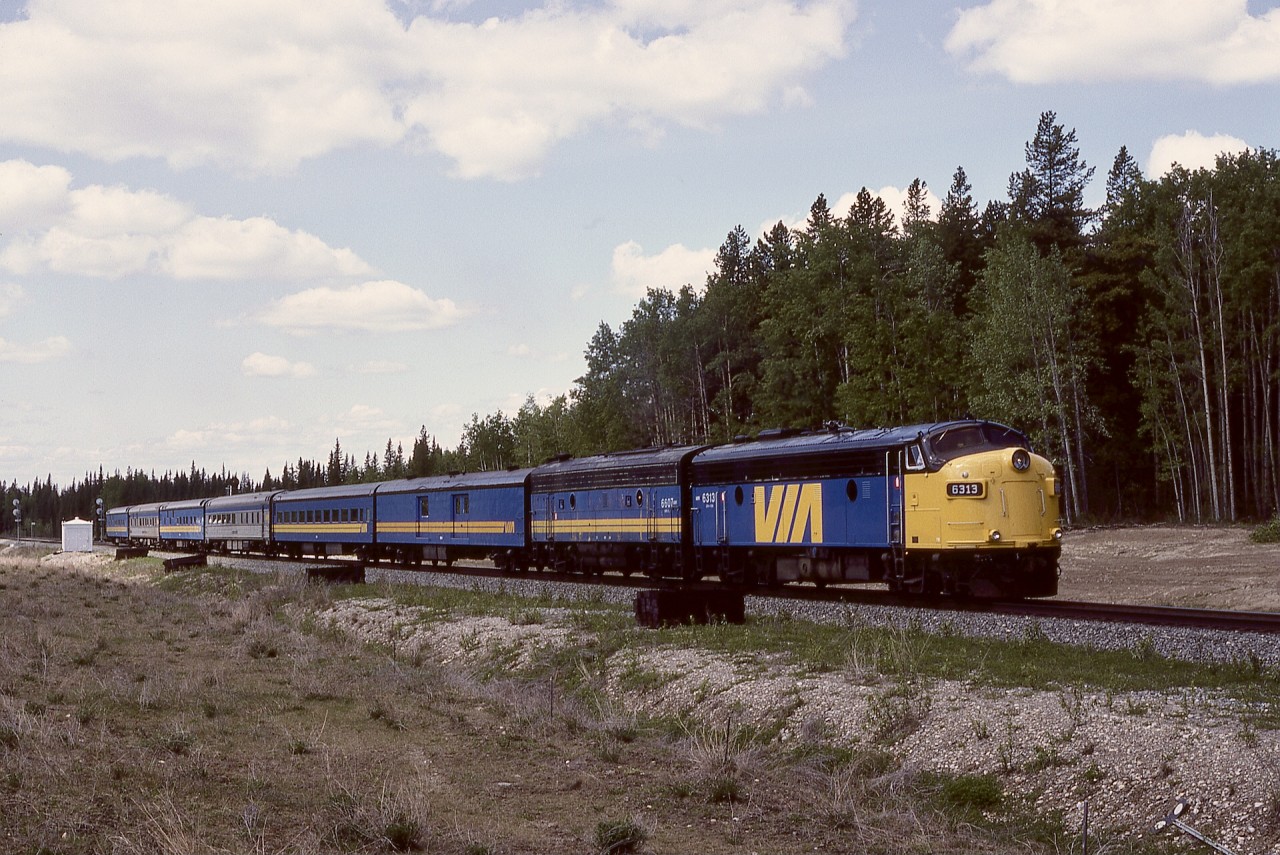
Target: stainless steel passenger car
239, 523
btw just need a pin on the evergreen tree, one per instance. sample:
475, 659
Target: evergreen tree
1048, 196
960, 236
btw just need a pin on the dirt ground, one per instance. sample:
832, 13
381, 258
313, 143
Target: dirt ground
186, 715
139, 715
1196, 566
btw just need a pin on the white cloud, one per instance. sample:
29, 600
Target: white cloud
262, 86
893, 197
110, 232
1042, 41
31, 197
673, 268
263, 431
380, 366
33, 354
224, 248
364, 419
543, 397
1192, 150
188, 439
509, 89
385, 306
264, 365
14, 454
11, 296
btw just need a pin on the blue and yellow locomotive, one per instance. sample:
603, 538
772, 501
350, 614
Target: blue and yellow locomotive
958, 507
961, 507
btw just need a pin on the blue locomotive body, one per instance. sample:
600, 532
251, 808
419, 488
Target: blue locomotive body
626, 511
825, 507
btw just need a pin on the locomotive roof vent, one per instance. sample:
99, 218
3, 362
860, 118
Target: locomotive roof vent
778, 433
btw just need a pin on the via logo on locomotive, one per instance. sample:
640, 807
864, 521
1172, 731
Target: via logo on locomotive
785, 512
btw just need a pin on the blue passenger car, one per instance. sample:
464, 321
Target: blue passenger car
625, 511
182, 524
823, 506
440, 519
240, 523
325, 520
117, 525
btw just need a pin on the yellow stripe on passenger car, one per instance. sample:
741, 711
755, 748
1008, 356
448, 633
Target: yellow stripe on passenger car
321, 528
608, 526
460, 527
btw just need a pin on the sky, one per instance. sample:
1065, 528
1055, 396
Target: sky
232, 233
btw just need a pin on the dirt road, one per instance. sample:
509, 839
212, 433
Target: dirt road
1171, 565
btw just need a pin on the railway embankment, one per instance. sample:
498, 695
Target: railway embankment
1056, 717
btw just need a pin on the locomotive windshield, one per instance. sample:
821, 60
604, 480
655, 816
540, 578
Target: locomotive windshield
960, 440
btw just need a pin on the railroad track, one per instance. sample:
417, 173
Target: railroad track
1167, 616
1174, 616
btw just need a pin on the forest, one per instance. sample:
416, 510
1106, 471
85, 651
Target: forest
1138, 343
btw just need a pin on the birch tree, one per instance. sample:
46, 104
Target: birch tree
1029, 366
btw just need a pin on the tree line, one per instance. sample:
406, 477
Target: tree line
44, 505
1137, 343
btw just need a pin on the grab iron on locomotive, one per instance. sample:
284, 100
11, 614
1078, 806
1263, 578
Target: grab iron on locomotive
962, 507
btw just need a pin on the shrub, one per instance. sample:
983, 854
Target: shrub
724, 789
403, 833
969, 794
897, 713
617, 836
1268, 532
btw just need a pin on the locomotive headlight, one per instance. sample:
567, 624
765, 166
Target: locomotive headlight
994, 537
1021, 460
1057, 534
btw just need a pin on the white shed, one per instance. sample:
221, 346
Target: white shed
77, 536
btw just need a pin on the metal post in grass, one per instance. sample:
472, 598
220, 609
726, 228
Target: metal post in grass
1173, 820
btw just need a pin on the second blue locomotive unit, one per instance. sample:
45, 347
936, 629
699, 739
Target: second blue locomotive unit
961, 507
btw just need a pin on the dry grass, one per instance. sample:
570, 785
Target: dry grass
207, 713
